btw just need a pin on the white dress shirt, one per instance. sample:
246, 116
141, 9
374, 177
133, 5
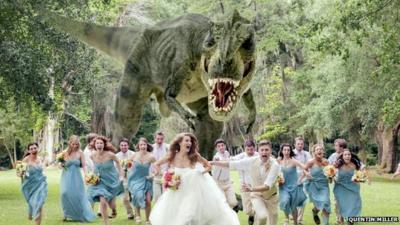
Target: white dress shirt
301, 156
332, 158
160, 152
220, 173
244, 175
125, 155
88, 158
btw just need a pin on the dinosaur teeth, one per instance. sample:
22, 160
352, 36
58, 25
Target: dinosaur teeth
236, 83
210, 82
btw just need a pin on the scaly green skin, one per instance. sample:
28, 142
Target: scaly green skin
184, 61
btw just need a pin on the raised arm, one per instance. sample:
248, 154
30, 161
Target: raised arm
157, 164
206, 164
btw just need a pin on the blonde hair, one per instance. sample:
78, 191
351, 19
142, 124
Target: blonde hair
72, 139
315, 147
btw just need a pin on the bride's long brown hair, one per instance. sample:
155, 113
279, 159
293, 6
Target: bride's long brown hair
174, 148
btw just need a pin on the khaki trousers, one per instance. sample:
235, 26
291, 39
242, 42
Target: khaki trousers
227, 188
265, 210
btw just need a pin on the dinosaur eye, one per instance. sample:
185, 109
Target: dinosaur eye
209, 42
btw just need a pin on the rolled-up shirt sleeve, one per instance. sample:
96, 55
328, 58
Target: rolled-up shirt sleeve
273, 173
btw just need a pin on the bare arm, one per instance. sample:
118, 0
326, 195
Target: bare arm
206, 164
157, 164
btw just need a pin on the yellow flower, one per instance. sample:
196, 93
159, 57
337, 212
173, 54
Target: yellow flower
330, 171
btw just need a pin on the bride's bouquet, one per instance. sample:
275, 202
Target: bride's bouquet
171, 180
359, 176
21, 169
330, 172
92, 179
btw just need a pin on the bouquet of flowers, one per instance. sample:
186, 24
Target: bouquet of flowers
92, 178
126, 164
280, 179
330, 172
359, 176
171, 180
60, 157
21, 169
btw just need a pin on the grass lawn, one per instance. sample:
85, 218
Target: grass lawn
382, 198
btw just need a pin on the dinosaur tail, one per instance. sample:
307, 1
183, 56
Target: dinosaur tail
114, 41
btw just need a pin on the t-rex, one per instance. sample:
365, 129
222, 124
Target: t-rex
198, 68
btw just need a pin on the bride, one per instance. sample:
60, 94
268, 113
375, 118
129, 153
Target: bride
198, 200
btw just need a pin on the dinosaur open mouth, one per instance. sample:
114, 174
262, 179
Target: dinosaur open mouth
223, 94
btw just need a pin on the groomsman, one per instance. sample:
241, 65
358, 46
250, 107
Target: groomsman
125, 154
340, 145
263, 171
244, 176
160, 150
221, 175
302, 156
89, 149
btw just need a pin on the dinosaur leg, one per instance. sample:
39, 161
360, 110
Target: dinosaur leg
131, 97
251, 106
207, 130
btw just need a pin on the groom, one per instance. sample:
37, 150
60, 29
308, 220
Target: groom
263, 171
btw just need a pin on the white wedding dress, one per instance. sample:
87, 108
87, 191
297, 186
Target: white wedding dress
198, 201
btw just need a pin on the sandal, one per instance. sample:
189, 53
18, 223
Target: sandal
113, 214
138, 220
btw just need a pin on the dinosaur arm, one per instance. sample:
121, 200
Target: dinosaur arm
251, 106
173, 88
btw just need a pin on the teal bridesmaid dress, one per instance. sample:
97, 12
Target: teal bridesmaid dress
34, 188
139, 185
318, 189
291, 194
74, 201
109, 186
347, 194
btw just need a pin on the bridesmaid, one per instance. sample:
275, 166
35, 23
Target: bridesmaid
346, 191
110, 184
317, 186
34, 184
139, 182
74, 201
291, 194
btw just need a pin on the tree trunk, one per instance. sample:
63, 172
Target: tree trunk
15, 153
379, 141
99, 109
10, 156
389, 138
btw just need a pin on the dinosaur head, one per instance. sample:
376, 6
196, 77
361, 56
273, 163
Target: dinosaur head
228, 64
